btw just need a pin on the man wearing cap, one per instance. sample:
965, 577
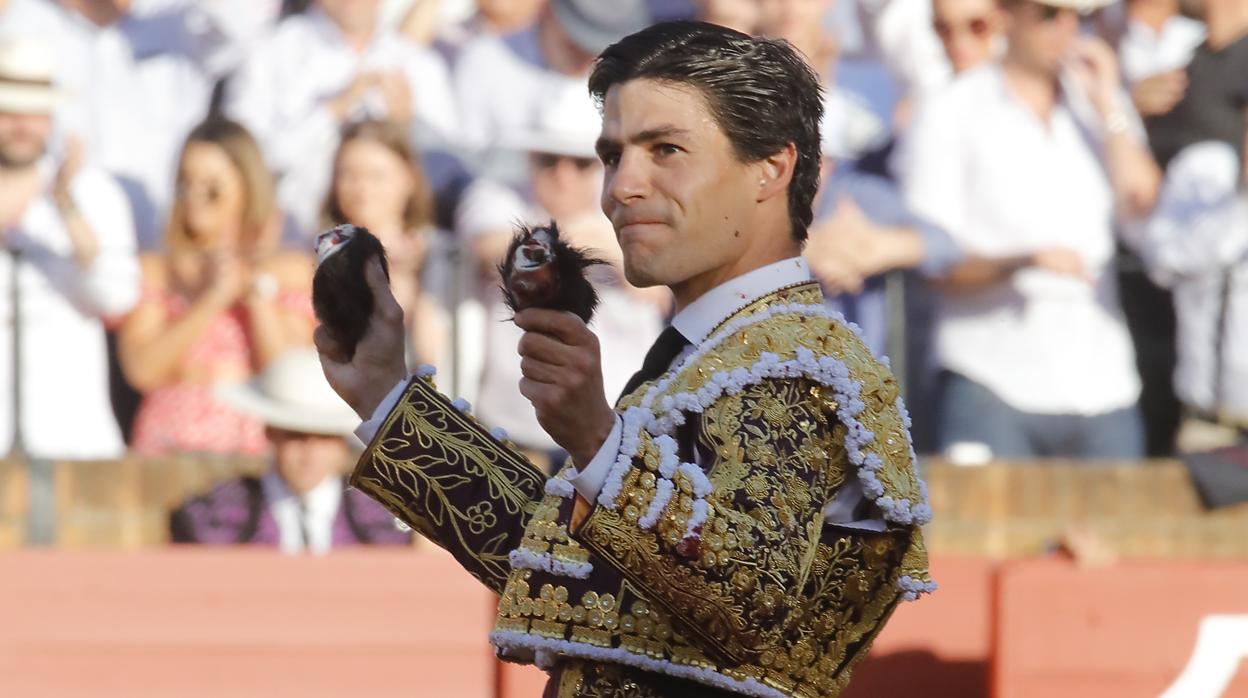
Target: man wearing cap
564, 183
301, 504
1027, 163
747, 517
69, 263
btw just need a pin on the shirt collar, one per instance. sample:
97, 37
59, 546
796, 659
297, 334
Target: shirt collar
701, 316
321, 500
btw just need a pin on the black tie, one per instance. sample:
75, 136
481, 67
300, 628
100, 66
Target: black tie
658, 359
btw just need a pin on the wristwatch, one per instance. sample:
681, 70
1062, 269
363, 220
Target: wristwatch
264, 286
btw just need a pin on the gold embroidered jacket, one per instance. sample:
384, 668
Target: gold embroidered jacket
706, 557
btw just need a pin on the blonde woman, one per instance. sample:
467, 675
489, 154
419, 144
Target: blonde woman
379, 184
218, 304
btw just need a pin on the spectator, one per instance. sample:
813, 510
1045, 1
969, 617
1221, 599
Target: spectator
378, 184
165, 55
858, 95
220, 304
970, 31
70, 264
496, 18
501, 81
862, 230
742, 15
1155, 49
302, 502
318, 72
1196, 244
1212, 108
1025, 163
565, 183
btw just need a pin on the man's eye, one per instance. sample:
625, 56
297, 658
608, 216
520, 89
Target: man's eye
667, 149
609, 159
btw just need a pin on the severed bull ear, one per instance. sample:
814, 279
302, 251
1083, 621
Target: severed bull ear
341, 297
542, 271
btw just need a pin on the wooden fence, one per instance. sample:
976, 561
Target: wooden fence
998, 511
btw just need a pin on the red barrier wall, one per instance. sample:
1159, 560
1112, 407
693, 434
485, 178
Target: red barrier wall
242, 623
200, 622
1122, 631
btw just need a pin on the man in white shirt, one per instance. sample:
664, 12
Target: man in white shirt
323, 69
1025, 163
759, 436
69, 262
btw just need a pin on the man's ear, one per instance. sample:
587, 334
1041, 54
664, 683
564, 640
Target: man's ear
775, 172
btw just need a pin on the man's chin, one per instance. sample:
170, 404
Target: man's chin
640, 278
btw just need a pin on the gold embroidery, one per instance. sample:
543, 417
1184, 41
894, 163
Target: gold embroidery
441, 473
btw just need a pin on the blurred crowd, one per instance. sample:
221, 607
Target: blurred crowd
1035, 207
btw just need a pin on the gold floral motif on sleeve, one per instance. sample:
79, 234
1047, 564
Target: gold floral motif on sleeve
440, 472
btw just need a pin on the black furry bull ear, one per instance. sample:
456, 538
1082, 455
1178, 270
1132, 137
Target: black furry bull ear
542, 271
341, 297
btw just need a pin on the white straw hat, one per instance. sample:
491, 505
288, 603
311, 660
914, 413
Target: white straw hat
567, 123
292, 394
27, 69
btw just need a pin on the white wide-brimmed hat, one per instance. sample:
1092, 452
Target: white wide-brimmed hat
568, 123
27, 69
292, 394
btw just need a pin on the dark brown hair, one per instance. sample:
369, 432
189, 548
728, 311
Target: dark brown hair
761, 92
418, 213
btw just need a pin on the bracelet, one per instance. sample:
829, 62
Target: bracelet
1117, 123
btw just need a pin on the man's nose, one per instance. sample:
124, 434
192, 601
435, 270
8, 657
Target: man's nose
630, 179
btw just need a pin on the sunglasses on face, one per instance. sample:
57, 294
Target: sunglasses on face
1048, 13
976, 27
210, 191
549, 161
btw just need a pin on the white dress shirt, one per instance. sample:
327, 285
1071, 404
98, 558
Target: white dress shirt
1002, 182
1196, 243
282, 91
66, 412
304, 524
696, 322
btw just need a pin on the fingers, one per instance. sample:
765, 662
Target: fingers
559, 324
540, 371
546, 349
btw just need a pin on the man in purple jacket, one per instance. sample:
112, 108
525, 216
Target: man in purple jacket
301, 504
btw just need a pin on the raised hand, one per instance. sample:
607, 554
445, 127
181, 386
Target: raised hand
378, 364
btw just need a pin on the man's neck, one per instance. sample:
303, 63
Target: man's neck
1227, 23
1036, 88
694, 288
1153, 13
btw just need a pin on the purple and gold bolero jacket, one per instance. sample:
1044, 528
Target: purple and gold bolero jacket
706, 561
